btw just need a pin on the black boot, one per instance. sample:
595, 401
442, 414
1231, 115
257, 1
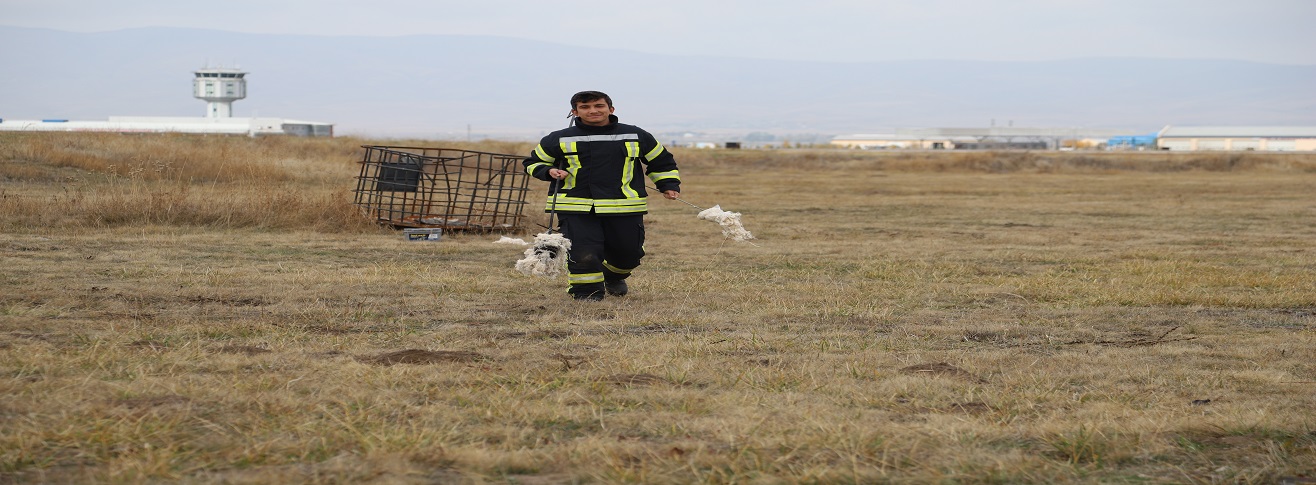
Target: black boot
595, 296
615, 288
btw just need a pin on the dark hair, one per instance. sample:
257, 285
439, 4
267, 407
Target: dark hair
587, 96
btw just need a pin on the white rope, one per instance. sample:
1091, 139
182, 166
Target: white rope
547, 257
732, 228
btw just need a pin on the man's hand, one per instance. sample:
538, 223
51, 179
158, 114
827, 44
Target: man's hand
671, 194
558, 173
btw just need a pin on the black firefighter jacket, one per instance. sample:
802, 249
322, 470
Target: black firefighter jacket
605, 165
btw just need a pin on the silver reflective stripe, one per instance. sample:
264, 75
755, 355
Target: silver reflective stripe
574, 139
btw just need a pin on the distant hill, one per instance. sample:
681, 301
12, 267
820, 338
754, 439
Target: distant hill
437, 86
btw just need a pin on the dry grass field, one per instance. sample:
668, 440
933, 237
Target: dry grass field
214, 310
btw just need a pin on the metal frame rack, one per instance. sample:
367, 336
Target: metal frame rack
459, 190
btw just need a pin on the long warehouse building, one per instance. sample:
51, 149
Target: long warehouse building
1237, 138
218, 87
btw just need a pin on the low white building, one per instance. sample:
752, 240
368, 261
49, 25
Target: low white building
218, 87
217, 126
989, 138
1237, 138
893, 141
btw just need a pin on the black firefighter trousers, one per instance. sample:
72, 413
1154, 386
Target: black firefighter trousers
603, 248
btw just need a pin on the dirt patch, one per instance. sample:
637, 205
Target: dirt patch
242, 349
538, 479
340, 329
1137, 339
344, 329
228, 300
569, 361
540, 334
657, 329
328, 330
1248, 440
636, 380
24, 248
147, 402
973, 408
417, 356
942, 369
148, 345
983, 336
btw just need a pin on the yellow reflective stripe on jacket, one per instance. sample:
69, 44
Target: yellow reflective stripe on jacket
656, 176
584, 278
657, 150
530, 169
618, 137
542, 155
573, 164
620, 206
599, 206
569, 204
628, 170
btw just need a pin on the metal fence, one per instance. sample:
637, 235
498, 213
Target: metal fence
453, 189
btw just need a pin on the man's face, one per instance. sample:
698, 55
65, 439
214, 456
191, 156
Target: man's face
593, 113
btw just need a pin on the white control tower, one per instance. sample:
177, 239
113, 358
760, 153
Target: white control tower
219, 87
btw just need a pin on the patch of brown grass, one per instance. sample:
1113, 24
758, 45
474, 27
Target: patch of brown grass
1002, 161
418, 356
895, 323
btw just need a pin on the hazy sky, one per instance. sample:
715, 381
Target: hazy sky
1280, 31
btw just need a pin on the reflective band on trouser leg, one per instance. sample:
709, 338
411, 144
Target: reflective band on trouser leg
615, 269
585, 278
625, 249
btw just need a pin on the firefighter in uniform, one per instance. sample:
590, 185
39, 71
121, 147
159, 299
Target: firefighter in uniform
597, 168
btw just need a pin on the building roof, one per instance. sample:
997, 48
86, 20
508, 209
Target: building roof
872, 137
1238, 132
1018, 132
898, 137
990, 132
136, 124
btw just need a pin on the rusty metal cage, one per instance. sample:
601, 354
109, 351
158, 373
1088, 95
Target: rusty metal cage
458, 190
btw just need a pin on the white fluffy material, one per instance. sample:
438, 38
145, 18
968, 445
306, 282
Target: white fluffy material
507, 240
547, 257
730, 222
